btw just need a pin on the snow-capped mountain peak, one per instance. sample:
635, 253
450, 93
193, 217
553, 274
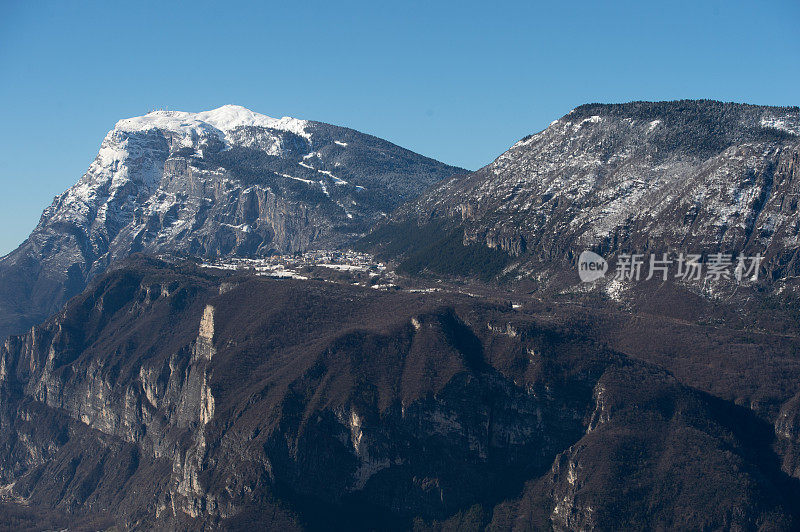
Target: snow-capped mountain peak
228, 182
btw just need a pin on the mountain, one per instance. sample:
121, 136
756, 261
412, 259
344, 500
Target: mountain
668, 177
498, 394
222, 183
177, 397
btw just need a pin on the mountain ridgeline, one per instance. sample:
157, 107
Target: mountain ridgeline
221, 183
684, 176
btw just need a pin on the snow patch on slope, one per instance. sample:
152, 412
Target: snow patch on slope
781, 124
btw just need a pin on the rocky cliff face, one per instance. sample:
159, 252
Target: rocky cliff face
787, 427
688, 176
180, 398
222, 183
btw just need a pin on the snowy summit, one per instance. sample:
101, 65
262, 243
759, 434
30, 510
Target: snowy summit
221, 120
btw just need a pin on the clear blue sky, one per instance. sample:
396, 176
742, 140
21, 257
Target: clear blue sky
457, 81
